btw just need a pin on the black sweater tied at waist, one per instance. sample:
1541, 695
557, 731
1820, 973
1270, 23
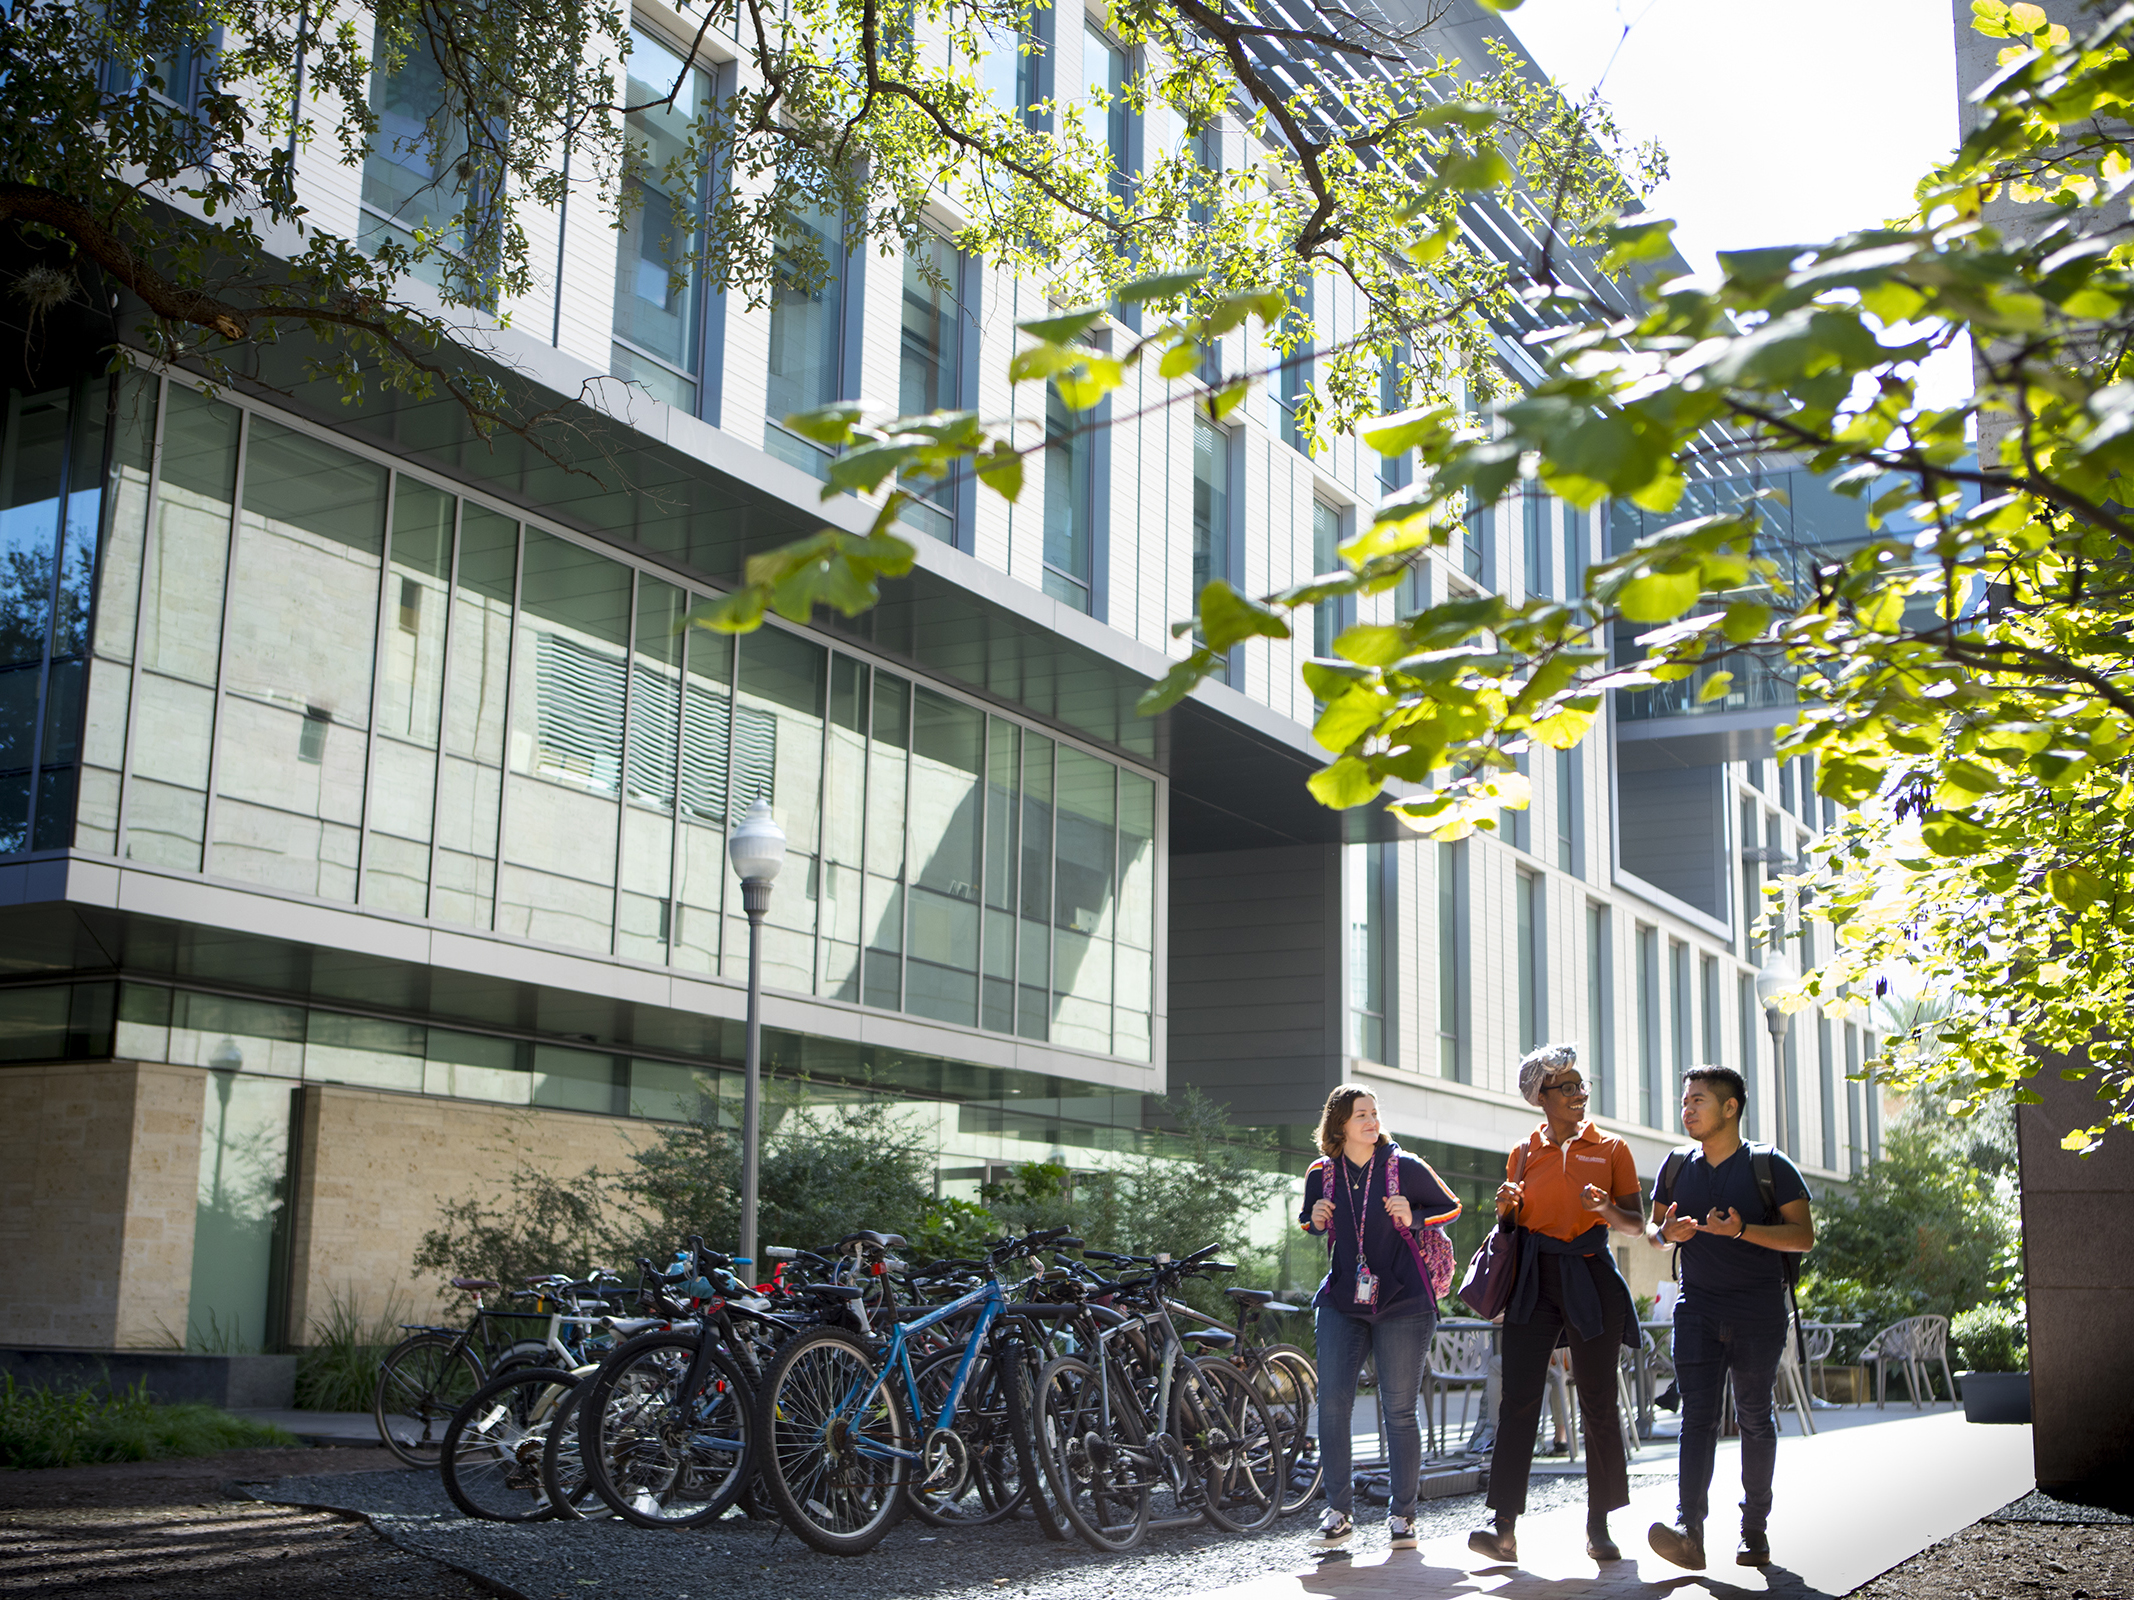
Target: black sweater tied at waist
1582, 1307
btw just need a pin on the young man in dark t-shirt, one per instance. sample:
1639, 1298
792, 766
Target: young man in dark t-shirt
1731, 1319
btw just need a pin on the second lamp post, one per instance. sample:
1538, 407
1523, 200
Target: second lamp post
758, 851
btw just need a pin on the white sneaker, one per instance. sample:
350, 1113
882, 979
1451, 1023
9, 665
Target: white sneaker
1402, 1530
1334, 1528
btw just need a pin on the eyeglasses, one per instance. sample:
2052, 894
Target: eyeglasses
1573, 1090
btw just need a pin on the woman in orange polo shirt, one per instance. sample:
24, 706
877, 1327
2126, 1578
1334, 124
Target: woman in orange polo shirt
1566, 1187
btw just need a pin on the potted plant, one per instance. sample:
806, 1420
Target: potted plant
1991, 1348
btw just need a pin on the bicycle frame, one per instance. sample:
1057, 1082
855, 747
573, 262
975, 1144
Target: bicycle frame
990, 1301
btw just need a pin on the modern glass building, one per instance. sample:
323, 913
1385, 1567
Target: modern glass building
365, 797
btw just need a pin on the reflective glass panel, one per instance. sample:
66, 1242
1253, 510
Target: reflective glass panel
779, 741
1033, 1014
844, 827
1082, 902
700, 857
645, 908
657, 294
947, 760
1003, 821
889, 752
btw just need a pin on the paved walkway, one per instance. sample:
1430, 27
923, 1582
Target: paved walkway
1851, 1503
319, 1427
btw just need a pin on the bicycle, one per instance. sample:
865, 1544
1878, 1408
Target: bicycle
1282, 1373
1145, 1415
839, 1415
425, 1378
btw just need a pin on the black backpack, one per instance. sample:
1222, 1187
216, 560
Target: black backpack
1663, 1194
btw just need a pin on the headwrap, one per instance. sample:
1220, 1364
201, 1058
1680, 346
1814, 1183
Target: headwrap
1544, 1063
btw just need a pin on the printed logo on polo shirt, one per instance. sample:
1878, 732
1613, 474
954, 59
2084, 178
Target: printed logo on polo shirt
1597, 1158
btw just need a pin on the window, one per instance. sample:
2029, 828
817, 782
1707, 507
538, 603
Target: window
1789, 1099
1070, 503
1294, 382
1567, 809
1785, 786
1397, 471
1326, 557
658, 294
807, 331
1364, 896
1855, 1137
1751, 1051
1534, 523
1478, 537
1679, 1007
1874, 1104
1648, 1024
930, 365
422, 187
1827, 1091
1533, 1008
1013, 69
1574, 551
1111, 118
1514, 826
1600, 1013
1211, 509
1751, 889
1451, 962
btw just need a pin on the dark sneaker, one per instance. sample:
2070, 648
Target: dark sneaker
1497, 1546
1334, 1528
1599, 1547
1401, 1533
1682, 1545
1755, 1550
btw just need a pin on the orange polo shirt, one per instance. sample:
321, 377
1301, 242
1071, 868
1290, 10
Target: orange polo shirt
1557, 1175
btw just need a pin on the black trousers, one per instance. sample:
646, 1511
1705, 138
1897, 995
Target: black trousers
1527, 1348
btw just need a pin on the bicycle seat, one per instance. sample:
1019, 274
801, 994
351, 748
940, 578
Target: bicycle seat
1250, 1297
1215, 1336
1283, 1309
475, 1285
833, 1291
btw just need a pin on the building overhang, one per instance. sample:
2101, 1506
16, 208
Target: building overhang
1700, 739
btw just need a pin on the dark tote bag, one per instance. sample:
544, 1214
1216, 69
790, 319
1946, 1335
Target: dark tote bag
1487, 1288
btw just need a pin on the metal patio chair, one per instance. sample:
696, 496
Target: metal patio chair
1913, 1344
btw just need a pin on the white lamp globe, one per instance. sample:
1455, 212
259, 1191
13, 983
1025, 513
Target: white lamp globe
758, 845
1775, 978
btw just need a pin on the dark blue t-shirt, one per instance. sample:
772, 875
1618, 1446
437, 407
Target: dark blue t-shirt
1732, 1277
1401, 1289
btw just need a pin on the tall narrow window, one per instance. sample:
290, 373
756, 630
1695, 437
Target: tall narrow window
1394, 471
1568, 789
1534, 524
1751, 1055
1574, 551
423, 190
1516, 826
930, 365
1714, 1011
1648, 1025
1751, 888
1600, 1012
1451, 963
807, 330
1478, 537
1364, 895
1533, 1019
1874, 1105
1785, 786
1111, 118
1855, 1135
1326, 546
1211, 507
1827, 1091
1678, 1009
1069, 504
1789, 1099
657, 294
1294, 382
1012, 70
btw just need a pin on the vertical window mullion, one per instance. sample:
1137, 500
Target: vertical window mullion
511, 711
140, 611
444, 710
379, 637
222, 645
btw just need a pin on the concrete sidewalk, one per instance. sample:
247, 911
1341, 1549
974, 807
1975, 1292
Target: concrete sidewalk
323, 1427
1850, 1504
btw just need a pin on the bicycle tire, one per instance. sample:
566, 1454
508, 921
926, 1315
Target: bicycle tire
1289, 1383
836, 1498
655, 1456
491, 1456
1237, 1457
1020, 1397
563, 1475
1096, 1475
422, 1381
987, 1486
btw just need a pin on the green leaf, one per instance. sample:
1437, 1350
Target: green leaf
1065, 328
1227, 399
1329, 679
1176, 684
739, 612
1349, 717
1658, 596
1372, 644
1632, 242
830, 425
1086, 388
1469, 116
1948, 835
1160, 286
1485, 169
1179, 360
1717, 687
2076, 888
1002, 471
1560, 730
1229, 619
1745, 620
1347, 782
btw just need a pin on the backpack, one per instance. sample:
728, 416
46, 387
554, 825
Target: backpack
1432, 1247
1663, 1194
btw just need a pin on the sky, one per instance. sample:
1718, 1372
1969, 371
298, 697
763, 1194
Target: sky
1780, 126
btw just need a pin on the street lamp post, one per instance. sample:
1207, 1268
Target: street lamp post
758, 851
1772, 981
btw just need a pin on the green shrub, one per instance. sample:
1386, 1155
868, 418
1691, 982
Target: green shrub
83, 1427
1989, 1339
338, 1370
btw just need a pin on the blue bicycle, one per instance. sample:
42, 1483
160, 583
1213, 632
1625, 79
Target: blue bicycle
852, 1432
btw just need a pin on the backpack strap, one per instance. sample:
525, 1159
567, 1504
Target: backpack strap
1663, 1195
1790, 1261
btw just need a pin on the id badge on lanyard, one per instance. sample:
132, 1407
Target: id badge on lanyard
1366, 1286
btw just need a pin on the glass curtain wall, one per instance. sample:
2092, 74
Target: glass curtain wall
426, 707
658, 292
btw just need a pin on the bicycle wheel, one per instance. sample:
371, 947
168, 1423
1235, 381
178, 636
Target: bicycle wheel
1289, 1383
1022, 1363
979, 1479
422, 1381
659, 1457
1232, 1445
1098, 1477
826, 1459
563, 1476
491, 1452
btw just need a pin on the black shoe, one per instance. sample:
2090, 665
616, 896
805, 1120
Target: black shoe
1668, 1399
1599, 1546
1679, 1543
1497, 1546
1755, 1550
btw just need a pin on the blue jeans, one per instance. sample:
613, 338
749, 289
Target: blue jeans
1401, 1343
1707, 1349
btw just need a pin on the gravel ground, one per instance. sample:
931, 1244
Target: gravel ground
171, 1528
737, 1559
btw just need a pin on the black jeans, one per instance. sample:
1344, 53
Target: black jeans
1707, 1349
1527, 1348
